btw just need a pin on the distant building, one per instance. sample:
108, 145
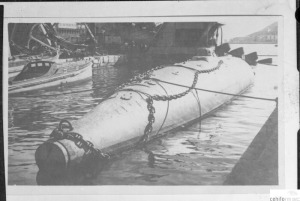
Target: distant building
72, 32
114, 36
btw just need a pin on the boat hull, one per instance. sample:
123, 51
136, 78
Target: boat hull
118, 123
15, 67
35, 84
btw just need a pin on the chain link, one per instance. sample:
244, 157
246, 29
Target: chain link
146, 75
149, 100
64, 131
138, 78
151, 120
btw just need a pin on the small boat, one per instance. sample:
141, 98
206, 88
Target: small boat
42, 74
151, 105
109, 60
16, 64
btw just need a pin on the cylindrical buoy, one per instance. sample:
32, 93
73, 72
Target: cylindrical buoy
119, 122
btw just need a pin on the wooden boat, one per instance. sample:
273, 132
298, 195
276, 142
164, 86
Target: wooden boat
109, 60
42, 74
16, 64
120, 121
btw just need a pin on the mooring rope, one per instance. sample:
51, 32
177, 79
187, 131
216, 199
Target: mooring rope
218, 92
200, 111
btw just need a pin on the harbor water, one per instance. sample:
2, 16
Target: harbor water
201, 154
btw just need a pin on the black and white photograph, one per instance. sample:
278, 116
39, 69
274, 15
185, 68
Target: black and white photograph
170, 103
146, 101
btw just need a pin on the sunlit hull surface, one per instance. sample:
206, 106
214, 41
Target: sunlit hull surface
119, 122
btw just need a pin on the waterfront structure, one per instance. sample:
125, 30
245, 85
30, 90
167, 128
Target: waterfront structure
72, 32
121, 37
175, 42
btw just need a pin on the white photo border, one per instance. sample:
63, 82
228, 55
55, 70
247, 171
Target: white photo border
283, 10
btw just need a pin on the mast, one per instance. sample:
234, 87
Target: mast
90, 33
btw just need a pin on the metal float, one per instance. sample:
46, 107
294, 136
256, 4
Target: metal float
148, 106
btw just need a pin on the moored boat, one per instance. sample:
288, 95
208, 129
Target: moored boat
42, 74
16, 64
152, 104
109, 60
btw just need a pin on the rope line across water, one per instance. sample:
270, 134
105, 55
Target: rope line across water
218, 92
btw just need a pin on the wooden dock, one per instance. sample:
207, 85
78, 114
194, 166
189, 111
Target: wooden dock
259, 164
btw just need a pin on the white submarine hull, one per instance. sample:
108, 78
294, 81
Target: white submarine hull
119, 122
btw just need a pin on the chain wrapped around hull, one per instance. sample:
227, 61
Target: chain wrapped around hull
146, 107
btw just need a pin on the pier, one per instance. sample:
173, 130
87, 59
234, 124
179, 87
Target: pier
259, 164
